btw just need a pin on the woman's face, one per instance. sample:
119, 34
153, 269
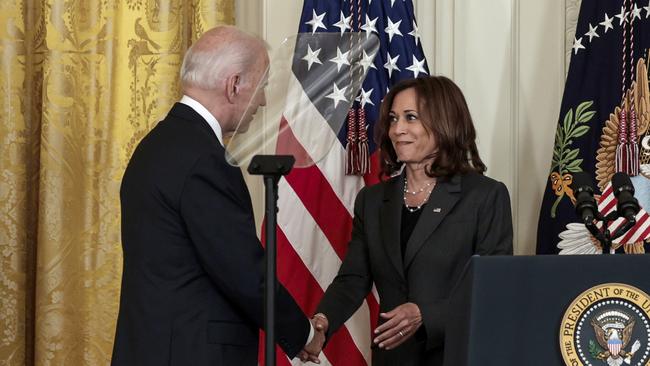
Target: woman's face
410, 139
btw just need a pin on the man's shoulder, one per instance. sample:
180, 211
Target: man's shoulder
181, 126
176, 144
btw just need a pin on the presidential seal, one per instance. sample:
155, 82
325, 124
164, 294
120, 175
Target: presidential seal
608, 324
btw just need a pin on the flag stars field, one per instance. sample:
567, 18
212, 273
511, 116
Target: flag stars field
621, 16
415, 33
365, 97
337, 95
592, 32
344, 23
340, 59
636, 12
369, 26
393, 29
391, 65
367, 61
316, 22
607, 24
417, 67
577, 45
311, 57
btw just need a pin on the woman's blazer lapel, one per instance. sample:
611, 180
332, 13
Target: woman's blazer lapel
441, 202
391, 220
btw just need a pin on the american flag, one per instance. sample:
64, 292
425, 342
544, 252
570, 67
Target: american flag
316, 202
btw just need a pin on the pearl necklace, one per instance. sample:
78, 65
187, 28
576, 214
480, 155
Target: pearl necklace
418, 191
426, 198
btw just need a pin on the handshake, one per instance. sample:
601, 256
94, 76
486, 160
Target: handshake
398, 325
313, 349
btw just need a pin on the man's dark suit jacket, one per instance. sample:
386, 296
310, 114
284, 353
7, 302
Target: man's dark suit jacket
465, 215
192, 285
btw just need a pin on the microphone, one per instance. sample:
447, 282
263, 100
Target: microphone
627, 206
586, 206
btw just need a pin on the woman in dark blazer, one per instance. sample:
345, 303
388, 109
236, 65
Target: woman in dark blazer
413, 233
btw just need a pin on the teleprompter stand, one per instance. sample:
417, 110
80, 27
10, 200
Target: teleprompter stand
272, 167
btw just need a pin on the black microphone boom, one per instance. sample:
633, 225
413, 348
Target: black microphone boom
627, 206
586, 206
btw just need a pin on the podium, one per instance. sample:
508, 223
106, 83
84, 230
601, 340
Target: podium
549, 310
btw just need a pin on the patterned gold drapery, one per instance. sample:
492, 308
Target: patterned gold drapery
81, 82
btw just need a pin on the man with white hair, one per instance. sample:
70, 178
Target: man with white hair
192, 284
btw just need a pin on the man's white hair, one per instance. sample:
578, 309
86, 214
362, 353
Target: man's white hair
204, 68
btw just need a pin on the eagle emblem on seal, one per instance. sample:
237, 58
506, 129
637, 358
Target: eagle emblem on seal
613, 331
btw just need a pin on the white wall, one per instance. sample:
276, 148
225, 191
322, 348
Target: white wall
508, 56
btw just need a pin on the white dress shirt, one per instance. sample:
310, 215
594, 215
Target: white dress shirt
200, 109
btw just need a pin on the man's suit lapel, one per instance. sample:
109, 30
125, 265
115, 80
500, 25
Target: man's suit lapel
391, 220
442, 200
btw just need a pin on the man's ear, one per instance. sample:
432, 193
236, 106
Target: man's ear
232, 87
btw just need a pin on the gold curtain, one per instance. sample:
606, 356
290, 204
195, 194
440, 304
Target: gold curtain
81, 82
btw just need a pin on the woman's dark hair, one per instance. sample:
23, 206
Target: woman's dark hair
443, 113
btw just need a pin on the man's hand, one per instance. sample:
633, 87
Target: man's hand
401, 324
320, 322
313, 349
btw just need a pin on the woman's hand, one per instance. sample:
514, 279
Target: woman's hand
401, 323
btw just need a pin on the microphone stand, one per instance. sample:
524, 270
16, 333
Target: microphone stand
272, 167
604, 236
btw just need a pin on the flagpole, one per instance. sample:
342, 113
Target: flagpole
272, 167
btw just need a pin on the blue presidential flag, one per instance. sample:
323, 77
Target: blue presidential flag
602, 127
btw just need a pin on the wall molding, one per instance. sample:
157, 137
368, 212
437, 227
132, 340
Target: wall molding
444, 36
515, 115
571, 13
426, 9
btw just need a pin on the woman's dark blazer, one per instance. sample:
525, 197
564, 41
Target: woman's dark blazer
465, 215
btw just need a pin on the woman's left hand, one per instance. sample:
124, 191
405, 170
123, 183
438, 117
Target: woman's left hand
401, 323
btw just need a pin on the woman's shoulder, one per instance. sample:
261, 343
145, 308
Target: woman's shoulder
481, 183
378, 191
382, 186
